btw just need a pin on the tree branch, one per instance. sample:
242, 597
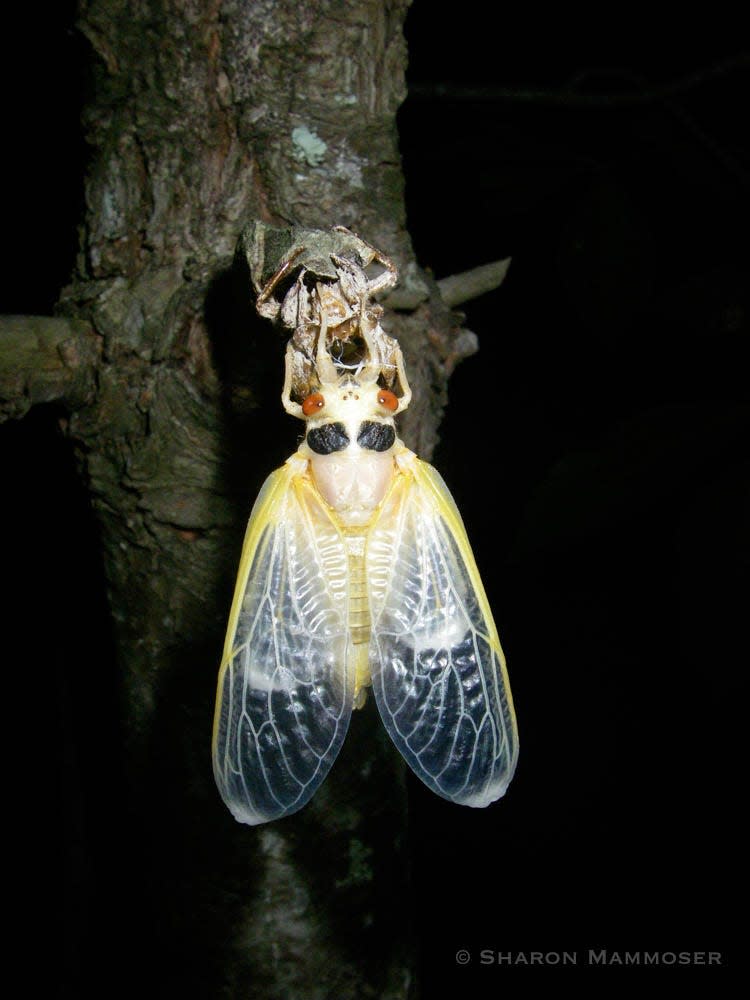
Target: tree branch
45, 359
454, 290
468, 285
569, 96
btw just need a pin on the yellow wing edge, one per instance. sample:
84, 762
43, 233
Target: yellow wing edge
274, 488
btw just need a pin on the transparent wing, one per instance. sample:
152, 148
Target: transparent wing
286, 685
438, 672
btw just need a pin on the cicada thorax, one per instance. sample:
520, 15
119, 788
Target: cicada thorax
350, 445
349, 442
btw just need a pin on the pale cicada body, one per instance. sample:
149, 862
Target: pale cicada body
356, 573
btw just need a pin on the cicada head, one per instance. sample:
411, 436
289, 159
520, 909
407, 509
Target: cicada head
349, 408
350, 399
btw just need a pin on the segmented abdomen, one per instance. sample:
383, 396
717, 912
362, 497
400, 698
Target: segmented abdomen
359, 616
359, 608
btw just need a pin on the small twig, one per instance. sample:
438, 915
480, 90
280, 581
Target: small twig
45, 359
459, 288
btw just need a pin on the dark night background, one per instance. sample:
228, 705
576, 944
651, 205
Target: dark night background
596, 446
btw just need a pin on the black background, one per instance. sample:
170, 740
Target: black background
596, 446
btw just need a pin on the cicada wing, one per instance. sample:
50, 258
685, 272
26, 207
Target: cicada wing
286, 684
438, 672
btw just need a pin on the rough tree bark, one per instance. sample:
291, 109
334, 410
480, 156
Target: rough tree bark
205, 116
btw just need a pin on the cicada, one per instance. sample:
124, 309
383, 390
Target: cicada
356, 573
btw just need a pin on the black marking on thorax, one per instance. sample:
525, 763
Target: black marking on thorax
329, 438
375, 436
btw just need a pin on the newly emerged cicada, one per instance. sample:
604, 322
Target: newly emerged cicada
356, 572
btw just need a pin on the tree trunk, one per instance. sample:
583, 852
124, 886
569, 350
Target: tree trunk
206, 116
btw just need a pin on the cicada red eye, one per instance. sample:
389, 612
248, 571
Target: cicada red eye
388, 399
313, 403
